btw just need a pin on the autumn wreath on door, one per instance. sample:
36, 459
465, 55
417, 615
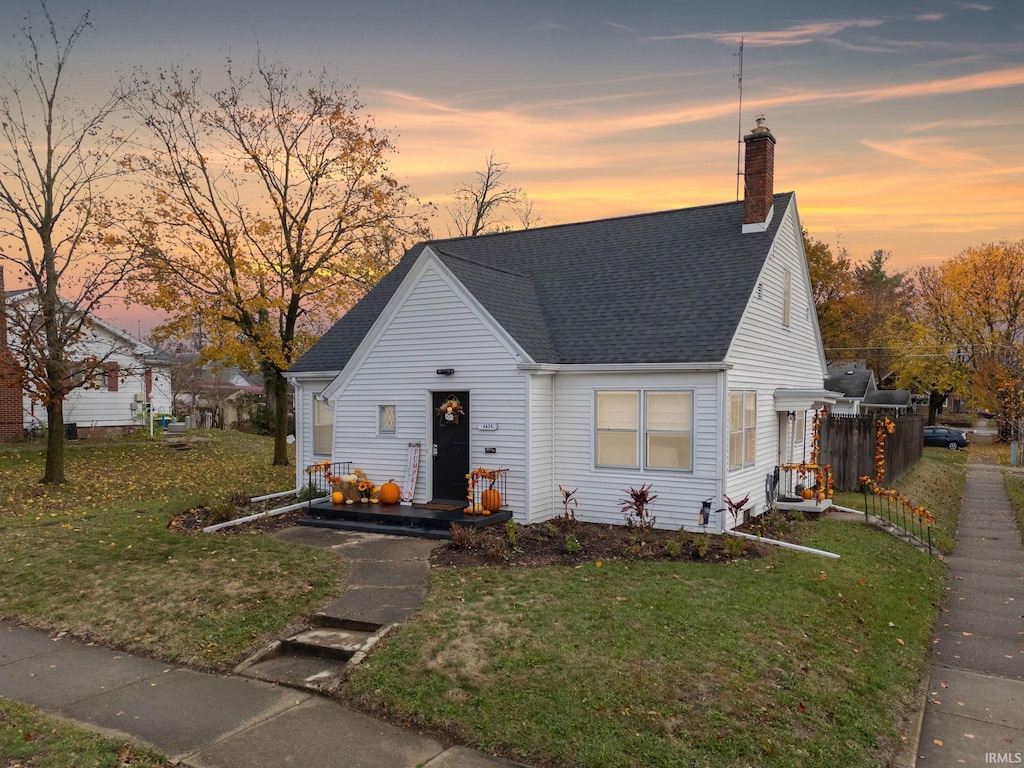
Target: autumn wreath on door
450, 410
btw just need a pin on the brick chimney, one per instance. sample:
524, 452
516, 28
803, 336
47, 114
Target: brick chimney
758, 178
10, 380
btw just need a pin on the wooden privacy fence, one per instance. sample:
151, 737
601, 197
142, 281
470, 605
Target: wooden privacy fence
848, 444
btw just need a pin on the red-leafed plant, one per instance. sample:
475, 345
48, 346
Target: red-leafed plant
637, 507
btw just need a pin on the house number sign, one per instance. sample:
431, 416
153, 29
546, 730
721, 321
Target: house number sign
487, 427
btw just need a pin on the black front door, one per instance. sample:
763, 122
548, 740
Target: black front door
451, 446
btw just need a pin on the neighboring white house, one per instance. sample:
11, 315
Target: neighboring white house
853, 383
679, 349
133, 378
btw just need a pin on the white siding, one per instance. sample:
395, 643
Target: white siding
601, 489
544, 495
436, 326
305, 391
100, 407
767, 355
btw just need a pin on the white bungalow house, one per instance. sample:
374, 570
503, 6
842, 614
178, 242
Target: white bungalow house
853, 384
127, 380
679, 349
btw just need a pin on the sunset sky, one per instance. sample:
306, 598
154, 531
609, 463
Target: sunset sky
898, 123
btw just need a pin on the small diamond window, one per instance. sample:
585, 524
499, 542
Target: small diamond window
386, 419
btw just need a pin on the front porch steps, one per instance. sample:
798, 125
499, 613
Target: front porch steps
317, 658
396, 519
387, 529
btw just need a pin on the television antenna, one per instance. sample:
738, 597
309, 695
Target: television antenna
739, 122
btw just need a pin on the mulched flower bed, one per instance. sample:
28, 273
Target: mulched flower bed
526, 546
550, 544
192, 521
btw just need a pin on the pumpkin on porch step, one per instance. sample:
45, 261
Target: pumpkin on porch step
390, 492
337, 497
490, 500
807, 493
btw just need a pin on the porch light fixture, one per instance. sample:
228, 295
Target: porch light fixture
445, 371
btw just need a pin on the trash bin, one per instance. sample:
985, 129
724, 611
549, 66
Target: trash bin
71, 431
163, 422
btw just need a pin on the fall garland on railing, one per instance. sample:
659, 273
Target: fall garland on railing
891, 493
823, 480
884, 426
822, 474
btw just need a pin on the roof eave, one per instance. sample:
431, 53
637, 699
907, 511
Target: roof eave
710, 367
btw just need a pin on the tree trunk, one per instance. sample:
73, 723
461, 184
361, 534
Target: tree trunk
54, 472
56, 371
935, 400
277, 393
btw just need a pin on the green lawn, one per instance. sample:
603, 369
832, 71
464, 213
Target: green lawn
94, 557
787, 660
29, 738
937, 482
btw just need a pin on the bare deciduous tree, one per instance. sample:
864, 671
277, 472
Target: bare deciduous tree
56, 163
481, 205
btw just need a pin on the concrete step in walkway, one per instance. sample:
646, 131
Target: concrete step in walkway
974, 713
387, 582
223, 721
317, 658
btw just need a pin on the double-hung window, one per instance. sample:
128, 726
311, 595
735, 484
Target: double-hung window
618, 429
644, 428
667, 422
742, 428
323, 427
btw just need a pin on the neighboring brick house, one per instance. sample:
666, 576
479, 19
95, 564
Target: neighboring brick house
10, 379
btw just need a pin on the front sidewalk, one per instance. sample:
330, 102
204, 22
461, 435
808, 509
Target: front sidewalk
224, 721
975, 709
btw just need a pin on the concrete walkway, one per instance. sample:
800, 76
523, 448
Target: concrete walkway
222, 721
975, 709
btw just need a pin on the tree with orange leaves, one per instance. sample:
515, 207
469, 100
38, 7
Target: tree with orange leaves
973, 305
269, 211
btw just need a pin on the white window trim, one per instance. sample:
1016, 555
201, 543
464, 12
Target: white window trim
747, 431
326, 404
642, 431
635, 432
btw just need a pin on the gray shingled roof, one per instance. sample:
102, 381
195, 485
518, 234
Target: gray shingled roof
852, 383
653, 288
893, 398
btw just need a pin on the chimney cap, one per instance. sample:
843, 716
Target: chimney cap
761, 130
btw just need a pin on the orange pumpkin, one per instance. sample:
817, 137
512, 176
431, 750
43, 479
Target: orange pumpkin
490, 500
807, 493
390, 493
337, 497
